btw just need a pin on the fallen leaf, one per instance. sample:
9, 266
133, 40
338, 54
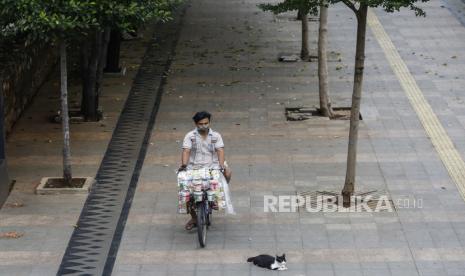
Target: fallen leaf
14, 205
11, 235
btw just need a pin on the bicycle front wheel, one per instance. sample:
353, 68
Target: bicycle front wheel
202, 223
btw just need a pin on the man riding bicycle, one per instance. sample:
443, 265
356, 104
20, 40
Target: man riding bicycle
203, 148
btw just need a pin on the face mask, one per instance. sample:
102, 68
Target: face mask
203, 128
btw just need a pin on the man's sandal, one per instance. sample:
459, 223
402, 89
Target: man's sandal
190, 224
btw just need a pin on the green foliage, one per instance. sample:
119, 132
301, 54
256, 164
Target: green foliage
311, 6
386, 5
391, 5
304, 6
65, 19
126, 15
45, 19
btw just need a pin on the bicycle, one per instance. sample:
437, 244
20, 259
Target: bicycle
202, 199
203, 209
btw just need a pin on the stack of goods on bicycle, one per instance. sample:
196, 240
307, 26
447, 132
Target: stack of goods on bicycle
192, 183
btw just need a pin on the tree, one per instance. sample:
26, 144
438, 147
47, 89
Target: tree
113, 52
67, 175
116, 15
323, 87
360, 8
52, 21
93, 50
304, 8
60, 22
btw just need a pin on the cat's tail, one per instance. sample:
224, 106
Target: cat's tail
250, 259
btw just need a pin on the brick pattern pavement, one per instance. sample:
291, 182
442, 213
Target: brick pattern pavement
226, 63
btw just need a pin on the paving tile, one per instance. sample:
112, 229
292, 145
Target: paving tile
270, 156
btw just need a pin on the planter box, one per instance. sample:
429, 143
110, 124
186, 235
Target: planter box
47, 187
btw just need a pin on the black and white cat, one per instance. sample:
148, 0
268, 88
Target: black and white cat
270, 262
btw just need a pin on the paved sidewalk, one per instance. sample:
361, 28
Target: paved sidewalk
226, 63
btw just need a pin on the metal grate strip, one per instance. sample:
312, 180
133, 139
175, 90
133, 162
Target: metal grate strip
94, 243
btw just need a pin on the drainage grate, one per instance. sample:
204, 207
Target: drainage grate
306, 113
288, 58
94, 244
371, 199
301, 113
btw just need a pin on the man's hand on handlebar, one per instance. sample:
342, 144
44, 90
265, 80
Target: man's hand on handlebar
182, 168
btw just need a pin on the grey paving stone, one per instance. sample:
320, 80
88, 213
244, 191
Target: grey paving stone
392, 148
403, 268
159, 269
127, 270
454, 268
349, 272
180, 273
16, 270
320, 272
236, 272
43, 270
429, 267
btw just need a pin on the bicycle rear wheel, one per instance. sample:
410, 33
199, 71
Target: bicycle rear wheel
202, 223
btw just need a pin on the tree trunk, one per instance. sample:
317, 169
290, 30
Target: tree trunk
299, 15
67, 176
89, 106
304, 53
113, 53
102, 55
93, 57
325, 103
85, 53
349, 183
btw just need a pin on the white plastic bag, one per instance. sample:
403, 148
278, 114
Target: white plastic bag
227, 196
